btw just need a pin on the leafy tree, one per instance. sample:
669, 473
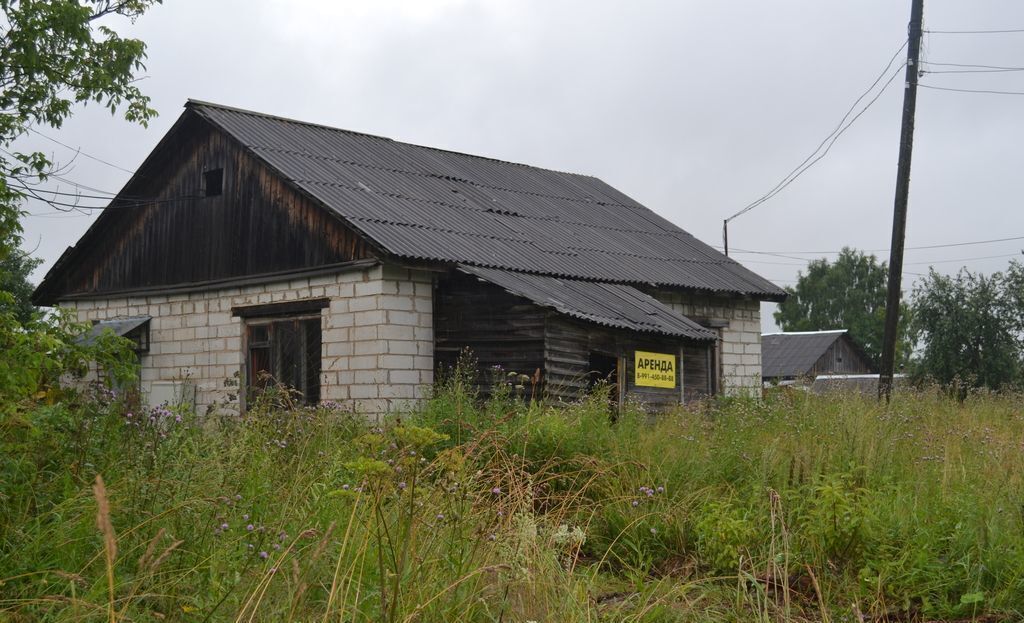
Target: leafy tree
55, 54
14, 272
970, 328
848, 293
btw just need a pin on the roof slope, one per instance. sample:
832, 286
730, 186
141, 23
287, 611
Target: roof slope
428, 204
793, 354
607, 304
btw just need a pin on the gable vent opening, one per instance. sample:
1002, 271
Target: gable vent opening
213, 182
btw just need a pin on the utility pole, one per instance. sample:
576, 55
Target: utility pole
899, 215
725, 236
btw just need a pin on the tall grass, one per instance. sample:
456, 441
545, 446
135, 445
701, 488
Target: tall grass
793, 508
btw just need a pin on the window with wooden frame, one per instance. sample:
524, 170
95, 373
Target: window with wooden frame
283, 346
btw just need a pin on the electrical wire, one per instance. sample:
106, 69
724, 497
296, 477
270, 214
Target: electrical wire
963, 259
78, 150
116, 203
830, 140
986, 91
917, 248
997, 67
971, 71
973, 32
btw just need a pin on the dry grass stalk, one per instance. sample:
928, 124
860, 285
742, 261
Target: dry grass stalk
106, 528
163, 555
150, 550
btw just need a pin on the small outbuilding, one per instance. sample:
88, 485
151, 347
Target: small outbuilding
798, 356
354, 268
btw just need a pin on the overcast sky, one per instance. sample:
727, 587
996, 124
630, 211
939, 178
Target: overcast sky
695, 109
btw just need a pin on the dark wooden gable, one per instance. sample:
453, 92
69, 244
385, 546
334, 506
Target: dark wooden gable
844, 356
164, 230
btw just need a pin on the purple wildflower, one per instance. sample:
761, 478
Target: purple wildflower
250, 528
636, 503
496, 490
264, 555
401, 484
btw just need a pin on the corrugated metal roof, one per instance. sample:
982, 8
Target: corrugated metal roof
119, 326
608, 304
429, 204
794, 354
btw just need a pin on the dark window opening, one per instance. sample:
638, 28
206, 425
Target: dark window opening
285, 352
213, 182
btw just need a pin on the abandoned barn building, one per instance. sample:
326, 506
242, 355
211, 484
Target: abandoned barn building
354, 268
801, 356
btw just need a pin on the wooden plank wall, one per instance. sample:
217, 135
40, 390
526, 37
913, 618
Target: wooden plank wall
499, 329
842, 358
567, 357
178, 236
698, 363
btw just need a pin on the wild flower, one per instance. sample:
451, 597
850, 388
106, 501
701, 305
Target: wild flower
496, 490
264, 555
635, 503
401, 484
224, 526
250, 528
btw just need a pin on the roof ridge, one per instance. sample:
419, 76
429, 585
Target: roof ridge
191, 102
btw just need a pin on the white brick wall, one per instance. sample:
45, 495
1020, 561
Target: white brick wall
377, 333
740, 343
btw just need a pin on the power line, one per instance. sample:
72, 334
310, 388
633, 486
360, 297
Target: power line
973, 32
972, 71
998, 67
964, 259
989, 92
814, 157
115, 204
78, 150
917, 248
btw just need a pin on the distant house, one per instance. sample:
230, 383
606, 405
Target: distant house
804, 355
353, 268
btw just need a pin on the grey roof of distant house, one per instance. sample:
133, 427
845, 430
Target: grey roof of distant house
611, 305
793, 354
425, 204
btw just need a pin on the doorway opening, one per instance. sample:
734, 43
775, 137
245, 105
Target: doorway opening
604, 370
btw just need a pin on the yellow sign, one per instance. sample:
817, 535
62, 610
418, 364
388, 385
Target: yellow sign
655, 370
